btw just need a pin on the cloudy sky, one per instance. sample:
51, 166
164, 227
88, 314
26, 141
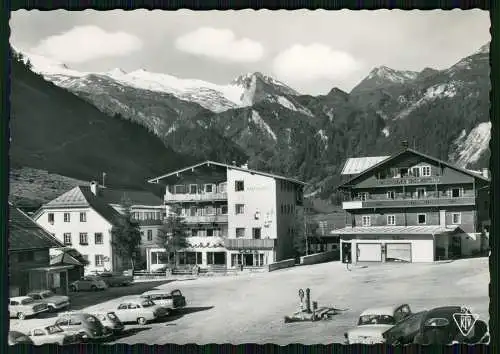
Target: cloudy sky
312, 51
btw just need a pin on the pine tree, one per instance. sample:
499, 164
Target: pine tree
173, 235
126, 235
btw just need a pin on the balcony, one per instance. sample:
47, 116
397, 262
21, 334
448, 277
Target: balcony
431, 199
206, 219
249, 244
204, 197
408, 180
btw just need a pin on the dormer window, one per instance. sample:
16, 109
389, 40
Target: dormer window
426, 171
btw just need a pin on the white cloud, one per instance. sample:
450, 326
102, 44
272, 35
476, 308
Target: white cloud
84, 43
312, 62
220, 44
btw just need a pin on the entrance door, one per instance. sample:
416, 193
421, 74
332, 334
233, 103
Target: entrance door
248, 259
369, 252
398, 252
456, 246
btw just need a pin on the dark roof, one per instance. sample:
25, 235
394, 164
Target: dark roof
100, 205
388, 160
64, 258
244, 169
26, 234
115, 196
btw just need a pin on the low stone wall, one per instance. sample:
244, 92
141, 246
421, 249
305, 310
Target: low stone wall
320, 257
287, 263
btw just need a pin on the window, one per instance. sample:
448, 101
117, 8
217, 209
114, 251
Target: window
99, 260
223, 210
194, 232
421, 193
455, 192
83, 217
67, 217
415, 172
210, 210
179, 189
51, 217
239, 186
67, 238
193, 211
240, 232
240, 209
150, 235
391, 220
193, 188
256, 232
391, 195
158, 257
426, 171
209, 188
366, 220
456, 218
421, 218
222, 187
98, 239
363, 195
84, 240
210, 232
403, 172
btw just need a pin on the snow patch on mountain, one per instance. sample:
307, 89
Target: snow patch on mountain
257, 119
286, 103
389, 74
323, 137
470, 147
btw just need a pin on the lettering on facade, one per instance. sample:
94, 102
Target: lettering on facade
415, 180
257, 188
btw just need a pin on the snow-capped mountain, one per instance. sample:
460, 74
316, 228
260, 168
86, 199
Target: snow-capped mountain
446, 113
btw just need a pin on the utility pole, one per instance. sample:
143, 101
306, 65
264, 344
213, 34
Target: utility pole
305, 228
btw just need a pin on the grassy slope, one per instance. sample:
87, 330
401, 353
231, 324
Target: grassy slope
53, 130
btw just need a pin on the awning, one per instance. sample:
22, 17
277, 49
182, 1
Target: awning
393, 230
51, 269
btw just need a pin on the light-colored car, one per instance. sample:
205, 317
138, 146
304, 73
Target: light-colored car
86, 325
374, 322
24, 306
140, 310
171, 300
53, 335
53, 301
110, 321
16, 337
88, 283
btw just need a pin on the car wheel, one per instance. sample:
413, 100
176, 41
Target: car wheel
93, 288
21, 316
142, 321
51, 308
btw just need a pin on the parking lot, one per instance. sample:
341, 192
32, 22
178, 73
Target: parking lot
251, 307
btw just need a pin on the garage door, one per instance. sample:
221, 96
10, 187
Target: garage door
369, 252
399, 252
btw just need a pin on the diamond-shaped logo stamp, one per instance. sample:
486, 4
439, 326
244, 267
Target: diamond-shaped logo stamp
465, 321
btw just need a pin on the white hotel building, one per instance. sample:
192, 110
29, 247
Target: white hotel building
236, 216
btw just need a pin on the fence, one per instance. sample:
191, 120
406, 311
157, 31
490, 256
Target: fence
287, 263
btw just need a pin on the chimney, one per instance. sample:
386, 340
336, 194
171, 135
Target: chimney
485, 172
404, 144
94, 187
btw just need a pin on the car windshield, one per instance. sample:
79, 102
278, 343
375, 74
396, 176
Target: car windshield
53, 329
22, 338
375, 319
111, 315
47, 294
26, 301
147, 303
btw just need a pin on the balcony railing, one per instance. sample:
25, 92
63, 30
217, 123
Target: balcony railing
409, 180
205, 219
400, 200
249, 244
175, 198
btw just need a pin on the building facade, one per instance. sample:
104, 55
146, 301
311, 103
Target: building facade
412, 207
29, 259
83, 218
236, 216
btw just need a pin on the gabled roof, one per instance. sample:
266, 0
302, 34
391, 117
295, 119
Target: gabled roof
208, 163
26, 234
82, 197
388, 160
356, 165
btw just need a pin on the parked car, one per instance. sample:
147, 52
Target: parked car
85, 324
405, 331
374, 322
53, 301
87, 283
439, 327
16, 337
110, 321
24, 306
53, 335
140, 310
116, 279
171, 300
